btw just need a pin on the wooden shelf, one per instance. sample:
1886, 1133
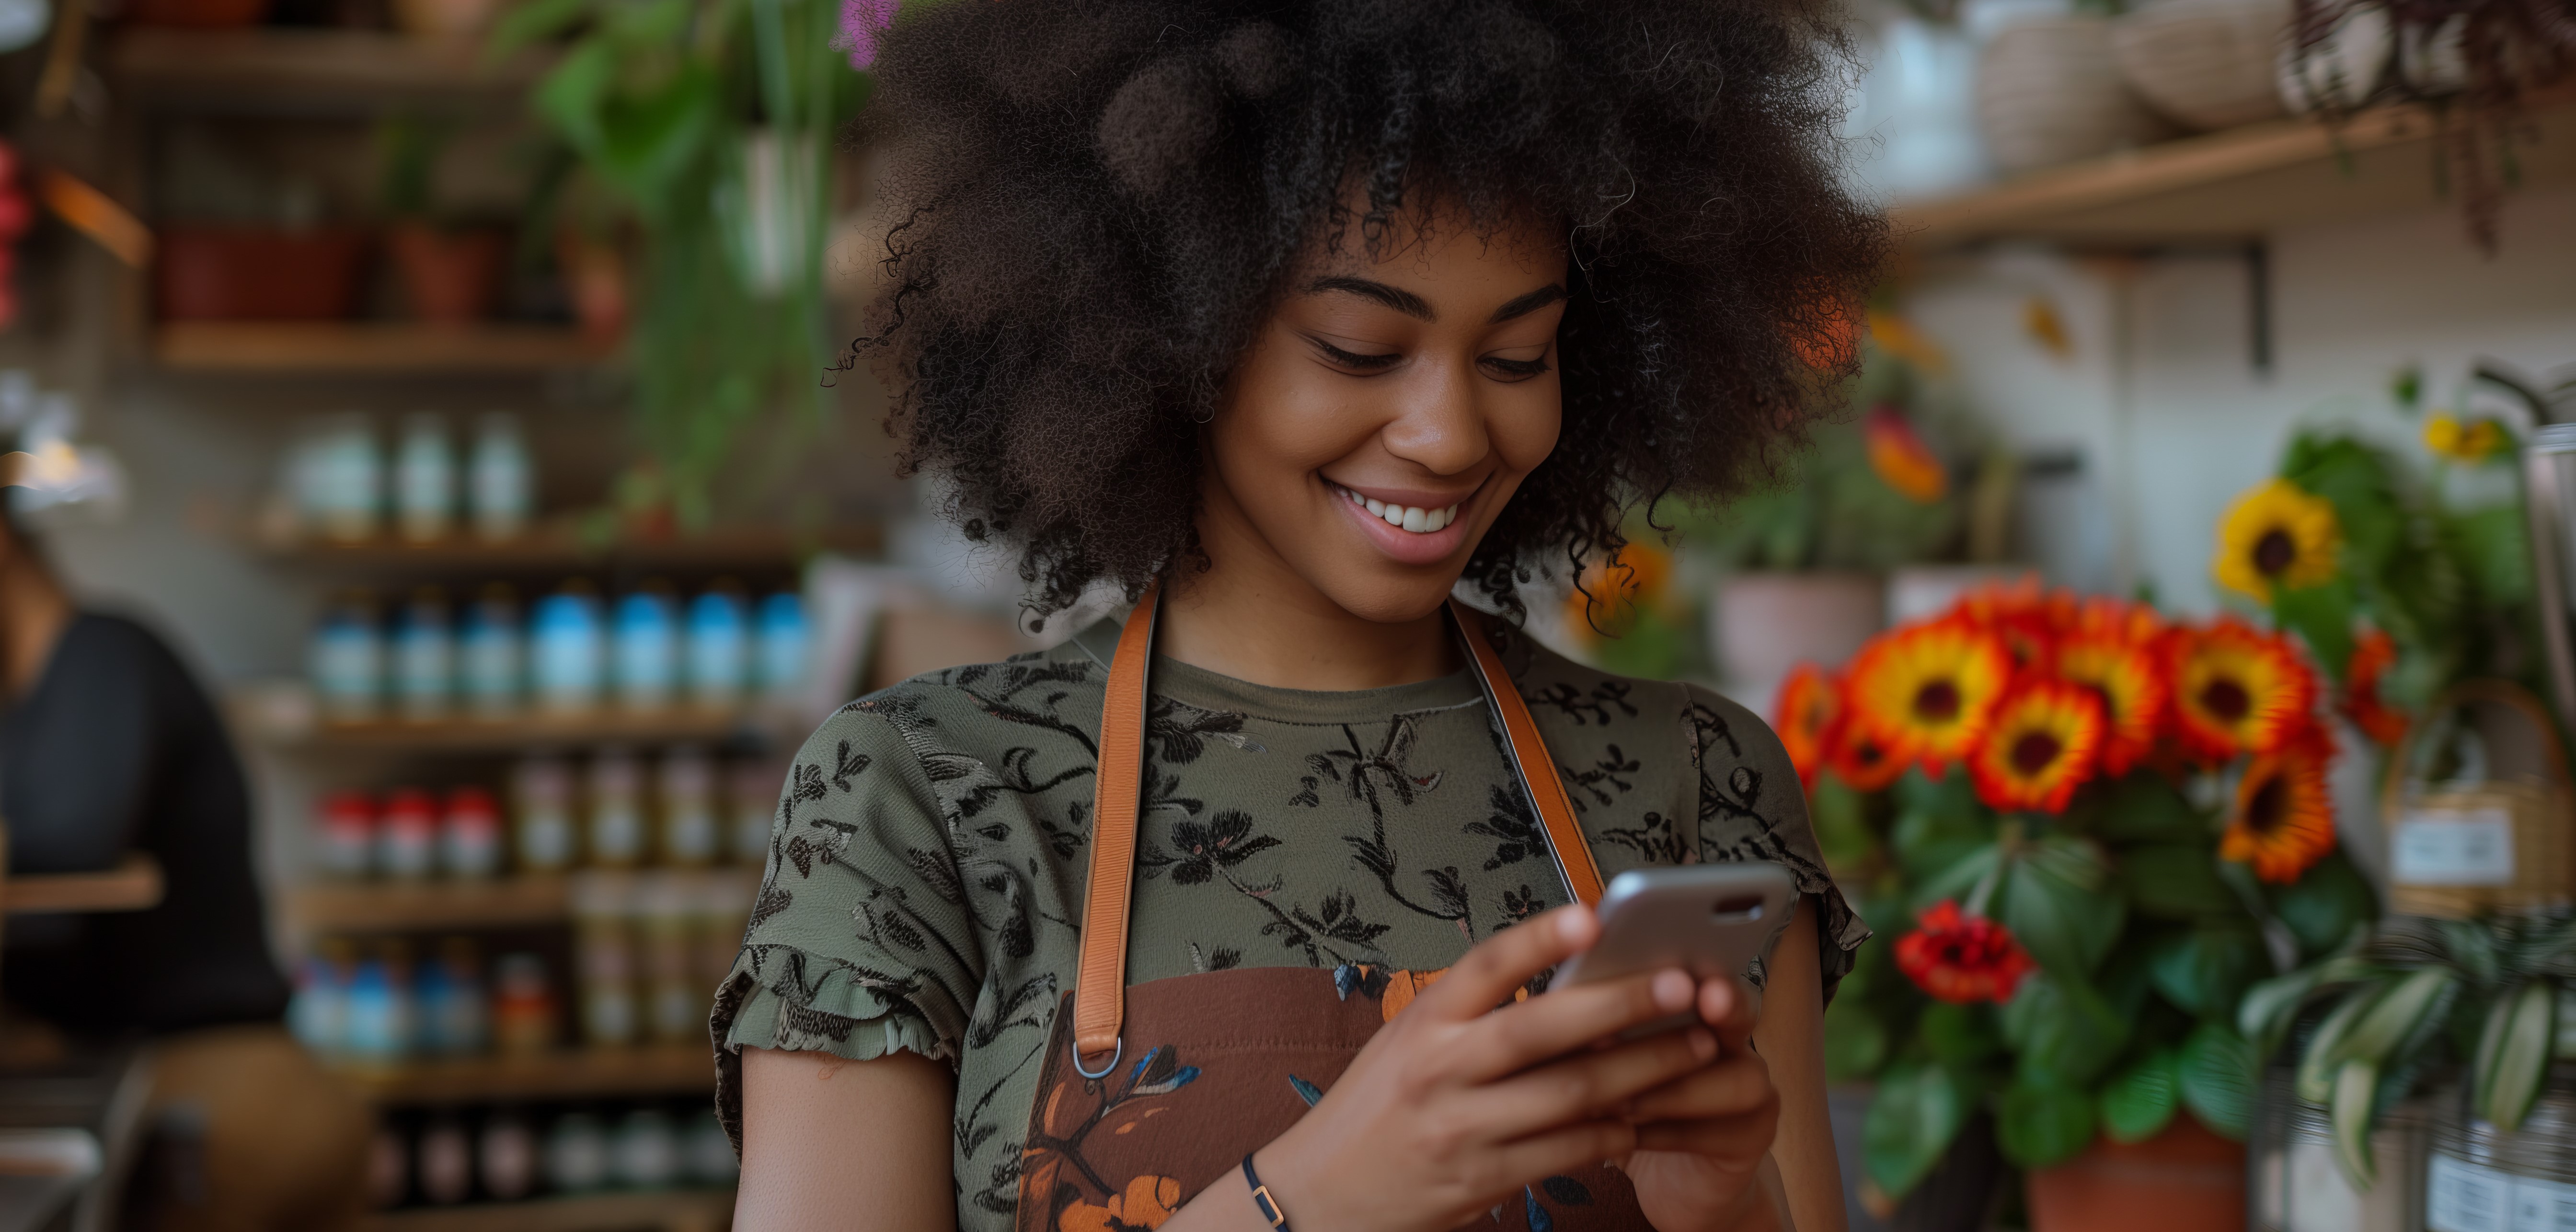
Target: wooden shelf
381, 906
133, 885
557, 548
683, 1210
2234, 185
272, 65
369, 347
675, 726
660, 1069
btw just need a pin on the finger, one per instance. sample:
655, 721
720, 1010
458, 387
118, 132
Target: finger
1732, 1141
1587, 1085
1730, 1007
1564, 1149
1504, 962
1738, 1083
1566, 1019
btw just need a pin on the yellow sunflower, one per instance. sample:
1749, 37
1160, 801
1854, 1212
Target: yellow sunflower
2043, 744
2284, 819
2472, 442
1925, 693
2237, 690
2277, 536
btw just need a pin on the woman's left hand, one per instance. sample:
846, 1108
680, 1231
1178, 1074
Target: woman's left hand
1703, 1138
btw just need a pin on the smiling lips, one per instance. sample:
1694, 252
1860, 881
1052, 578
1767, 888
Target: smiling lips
1412, 518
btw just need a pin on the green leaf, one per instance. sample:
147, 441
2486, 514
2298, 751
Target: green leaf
1855, 1040
2138, 1102
1958, 1035
2064, 1030
533, 20
1959, 879
2176, 880
2206, 970
2053, 902
572, 96
2491, 549
2315, 1079
1911, 1122
2322, 617
2507, 1079
1841, 817
1933, 832
2396, 1014
2355, 1113
2216, 1072
2145, 807
2324, 906
2271, 1007
2042, 1122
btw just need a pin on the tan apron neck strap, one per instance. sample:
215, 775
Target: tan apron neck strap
1099, 1000
1530, 758
1100, 990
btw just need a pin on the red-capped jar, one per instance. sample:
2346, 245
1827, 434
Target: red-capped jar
469, 839
407, 840
346, 827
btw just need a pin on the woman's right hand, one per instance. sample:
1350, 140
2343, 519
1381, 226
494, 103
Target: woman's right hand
1456, 1105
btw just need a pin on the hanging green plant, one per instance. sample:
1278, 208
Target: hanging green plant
711, 122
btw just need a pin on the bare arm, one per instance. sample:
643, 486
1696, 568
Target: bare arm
1791, 1037
816, 1129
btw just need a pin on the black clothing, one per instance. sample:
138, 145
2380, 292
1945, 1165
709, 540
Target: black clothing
116, 749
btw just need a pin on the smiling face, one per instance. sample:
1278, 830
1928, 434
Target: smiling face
1387, 411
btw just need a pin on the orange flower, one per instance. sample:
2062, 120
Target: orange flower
1811, 703
1901, 459
1861, 761
2124, 674
1148, 1202
2236, 690
2023, 617
2045, 742
2372, 656
1962, 959
2284, 820
2117, 619
1637, 578
1925, 693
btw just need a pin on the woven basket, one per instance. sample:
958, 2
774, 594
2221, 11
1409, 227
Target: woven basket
2205, 64
2048, 92
2458, 850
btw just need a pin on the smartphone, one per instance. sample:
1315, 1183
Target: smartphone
1711, 920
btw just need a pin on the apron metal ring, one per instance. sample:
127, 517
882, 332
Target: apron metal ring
1119, 1051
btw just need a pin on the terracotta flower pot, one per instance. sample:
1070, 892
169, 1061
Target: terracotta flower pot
451, 276
1768, 623
254, 274
594, 276
2185, 1177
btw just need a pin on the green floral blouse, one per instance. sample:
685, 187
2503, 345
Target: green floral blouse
926, 868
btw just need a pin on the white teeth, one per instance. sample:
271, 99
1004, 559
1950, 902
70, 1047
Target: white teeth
1406, 517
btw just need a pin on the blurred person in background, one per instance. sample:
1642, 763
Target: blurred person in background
108, 747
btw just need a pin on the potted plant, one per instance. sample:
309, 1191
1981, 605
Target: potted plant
451, 270
2079, 823
1800, 565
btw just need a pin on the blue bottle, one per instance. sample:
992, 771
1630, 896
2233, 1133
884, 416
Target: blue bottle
488, 653
719, 648
346, 660
783, 641
648, 649
424, 656
567, 650
377, 1023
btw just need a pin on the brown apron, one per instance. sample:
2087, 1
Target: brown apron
1150, 1094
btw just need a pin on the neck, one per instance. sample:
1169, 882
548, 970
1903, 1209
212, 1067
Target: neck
33, 613
1252, 617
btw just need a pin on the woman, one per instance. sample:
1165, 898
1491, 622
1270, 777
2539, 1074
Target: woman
1284, 318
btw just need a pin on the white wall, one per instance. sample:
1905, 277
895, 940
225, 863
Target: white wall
2193, 423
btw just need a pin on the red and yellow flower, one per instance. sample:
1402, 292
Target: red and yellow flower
2021, 616
2044, 743
1862, 762
2123, 673
2283, 821
1899, 457
1809, 709
2236, 690
1926, 693
2372, 655
1962, 959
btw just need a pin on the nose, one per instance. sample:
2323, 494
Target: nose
1439, 427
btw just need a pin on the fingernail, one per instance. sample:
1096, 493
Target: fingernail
1672, 990
1574, 923
1703, 1045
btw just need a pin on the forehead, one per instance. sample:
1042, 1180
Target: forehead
1435, 239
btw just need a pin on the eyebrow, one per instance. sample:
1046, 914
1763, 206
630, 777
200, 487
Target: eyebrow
1398, 298
1529, 303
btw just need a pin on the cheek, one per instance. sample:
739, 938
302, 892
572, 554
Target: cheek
1285, 417
1525, 426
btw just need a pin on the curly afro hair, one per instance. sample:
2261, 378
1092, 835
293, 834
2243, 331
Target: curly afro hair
1099, 200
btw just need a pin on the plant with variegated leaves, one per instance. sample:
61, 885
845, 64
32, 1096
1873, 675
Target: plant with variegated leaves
2420, 998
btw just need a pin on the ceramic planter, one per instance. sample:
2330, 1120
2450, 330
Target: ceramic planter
255, 274
450, 276
594, 274
1767, 623
2185, 1177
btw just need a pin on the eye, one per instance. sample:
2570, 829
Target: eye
1511, 370
1353, 360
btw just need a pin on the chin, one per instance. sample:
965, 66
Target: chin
1391, 600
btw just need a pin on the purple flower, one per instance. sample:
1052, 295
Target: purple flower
861, 22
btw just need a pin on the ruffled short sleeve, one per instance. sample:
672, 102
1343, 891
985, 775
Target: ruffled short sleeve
861, 942
1752, 808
